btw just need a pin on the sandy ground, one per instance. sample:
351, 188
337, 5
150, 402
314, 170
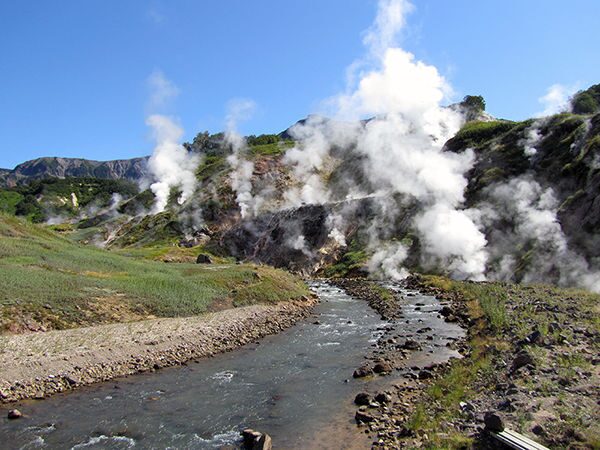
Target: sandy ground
39, 364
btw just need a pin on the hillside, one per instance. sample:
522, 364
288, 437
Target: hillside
54, 167
336, 198
48, 282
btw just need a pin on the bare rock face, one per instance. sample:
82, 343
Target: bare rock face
282, 239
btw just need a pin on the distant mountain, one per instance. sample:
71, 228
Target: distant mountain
122, 169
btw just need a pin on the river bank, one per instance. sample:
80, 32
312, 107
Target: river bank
37, 365
528, 359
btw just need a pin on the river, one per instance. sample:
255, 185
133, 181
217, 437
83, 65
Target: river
289, 385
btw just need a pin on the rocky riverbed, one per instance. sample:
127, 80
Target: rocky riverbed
40, 364
422, 336
529, 361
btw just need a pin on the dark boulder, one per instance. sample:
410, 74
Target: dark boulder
493, 422
362, 398
203, 259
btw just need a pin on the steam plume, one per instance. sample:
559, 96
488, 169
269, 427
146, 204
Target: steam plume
170, 164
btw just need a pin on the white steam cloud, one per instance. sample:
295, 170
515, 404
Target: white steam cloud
402, 145
170, 164
241, 176
556, 99
533, 210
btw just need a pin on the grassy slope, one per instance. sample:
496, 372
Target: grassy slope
501, 315
49, 282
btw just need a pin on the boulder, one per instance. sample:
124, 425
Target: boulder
203, 259
14, 414
446, 311
521, 360
362, 398
382, 367
383, 398
409, 344
362, 371
493, 422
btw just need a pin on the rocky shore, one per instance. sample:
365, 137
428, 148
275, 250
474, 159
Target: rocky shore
528, 363
420, 339
37, 365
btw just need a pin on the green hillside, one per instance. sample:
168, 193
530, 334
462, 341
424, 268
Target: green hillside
49, 282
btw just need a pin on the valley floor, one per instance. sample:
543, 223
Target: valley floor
35, 365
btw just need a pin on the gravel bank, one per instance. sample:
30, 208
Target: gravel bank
40, 364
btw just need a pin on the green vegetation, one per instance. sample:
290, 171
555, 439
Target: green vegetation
210, 166
474, 133
56, 196
263, 139
588, 101
475, 102
48, 281
271, 149
351, 262
9, 201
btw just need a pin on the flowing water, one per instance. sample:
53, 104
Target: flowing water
296, 386
288, 386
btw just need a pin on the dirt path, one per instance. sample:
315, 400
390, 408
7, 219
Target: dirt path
39, 364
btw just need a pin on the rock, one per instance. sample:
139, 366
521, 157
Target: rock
382, 367
14, 414
446, 311
535, 338
383, 398
538, 430
521, 360
363, 417
264, 443
203, 259
409, 344
362, 371
72, 380
425, 374
362, 398
493, 422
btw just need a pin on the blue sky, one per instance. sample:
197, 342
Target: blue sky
74, 74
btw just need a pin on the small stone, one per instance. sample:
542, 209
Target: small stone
521, 360
363, 417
